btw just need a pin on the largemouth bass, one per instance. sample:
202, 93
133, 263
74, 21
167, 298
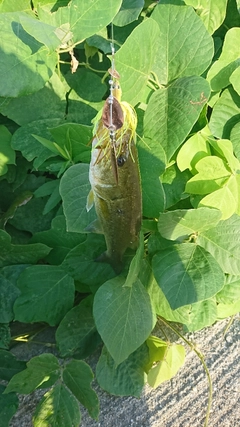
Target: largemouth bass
116, 190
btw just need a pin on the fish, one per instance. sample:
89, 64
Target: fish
117, 199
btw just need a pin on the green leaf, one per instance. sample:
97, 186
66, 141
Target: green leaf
74, 189
225, 199
59, 239
193, 150
78, 376
230, 291
74, 139
226, 310
168, 360
136, 263
9, 365
8, 406
234, 80
83, 19
202, 315
26, 64
211, 13
40, 285
17, 254
135, 59
212, 175
47, 103
186, 274
151, 163
185, 48
8, 295
172, 112
80, 262
40, 369
5, 336
126, 379
7, 154
225, 114
224, 148
43, 33
221, 70
59, 408
181, 223
129, 12
123, 317
174, 183
77, 332
223, 242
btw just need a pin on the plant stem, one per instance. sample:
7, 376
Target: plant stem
201, 357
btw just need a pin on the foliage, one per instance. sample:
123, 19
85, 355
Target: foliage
179, 68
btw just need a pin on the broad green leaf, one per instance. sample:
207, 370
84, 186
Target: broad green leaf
221, 70
77, 332
17, 254
234, 80
235, 136
225, 114
185, 48
224, 148
40, 369
126, 379
157, 349
74, 189
12, 6
7, 154
181, 223
26, 64
151, 163
43, 33
211, 13
223, 242
123, 317
8, 406
230, 291
193, 150
74, 139
186, 274
59, 408
136, 263
135, 59
172, 112
59, 239
212, 175
5, 336
81, 265
202, 315
129, 11
167, 364
226, 310
9, 365
47, 103
225, 199
77, 375
8, 295
83, 19
40, 285
174, 183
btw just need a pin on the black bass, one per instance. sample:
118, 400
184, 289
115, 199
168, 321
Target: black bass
116, 190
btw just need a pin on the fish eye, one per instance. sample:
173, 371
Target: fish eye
121, 160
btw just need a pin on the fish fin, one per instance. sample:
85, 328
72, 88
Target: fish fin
117, 265
94, 227
90, 200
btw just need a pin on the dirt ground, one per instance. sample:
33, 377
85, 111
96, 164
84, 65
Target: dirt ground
181, 402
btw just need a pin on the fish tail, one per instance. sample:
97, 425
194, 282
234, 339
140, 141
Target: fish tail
116, 264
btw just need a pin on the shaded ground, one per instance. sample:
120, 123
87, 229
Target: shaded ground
181, 402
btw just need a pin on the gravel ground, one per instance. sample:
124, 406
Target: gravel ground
181, 402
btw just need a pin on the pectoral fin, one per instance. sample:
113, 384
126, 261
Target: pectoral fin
90, 200
94, 227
